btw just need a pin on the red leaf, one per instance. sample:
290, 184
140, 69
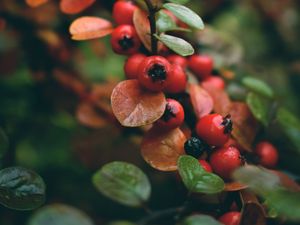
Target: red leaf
74, 6
202, 102
36, 3
87, 27
134, 106
244, 125
161, 149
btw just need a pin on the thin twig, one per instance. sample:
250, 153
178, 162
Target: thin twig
152, 10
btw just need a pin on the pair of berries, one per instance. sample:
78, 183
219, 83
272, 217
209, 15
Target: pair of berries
156, 73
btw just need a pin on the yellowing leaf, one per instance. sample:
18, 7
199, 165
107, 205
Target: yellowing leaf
88, 27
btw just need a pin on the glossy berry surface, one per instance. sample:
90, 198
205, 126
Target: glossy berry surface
177, 81
224, 161
214, 129
177, 59
195, 147
173, 116
205, 165
267, 154
154, 73
123, 12
132, 64
201, 65
214, 81
124, 40
230, 218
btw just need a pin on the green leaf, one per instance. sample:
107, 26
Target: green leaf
268, 185
178, 45
4, 143
186, 15
179, 1
290, 125
259, 107
200, 220
165, 23
121, 223
258, 86
123, 182
21, 189
196, 179
59, 214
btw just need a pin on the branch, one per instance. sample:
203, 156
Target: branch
152, 10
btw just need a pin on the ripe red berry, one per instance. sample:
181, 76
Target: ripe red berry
177, 59
123, 12
205, 165
214, 129
267, 154
173, 116
201, 65
177, 80
132, 64
154, 73
225, 160
214, 81
124, 40
230, 218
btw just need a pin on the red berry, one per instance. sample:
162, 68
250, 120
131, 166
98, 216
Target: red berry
132, 64
123, 12
177, 81
214, 129
124, 40
231, 218
154, 73
267, 153
205, 165
201, 65
173, 116
225, 160
214, 81
177, 59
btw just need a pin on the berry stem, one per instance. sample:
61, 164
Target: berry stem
152, 10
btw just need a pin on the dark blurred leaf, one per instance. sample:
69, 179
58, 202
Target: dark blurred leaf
196, 179
179, 1
259, 107
4, 143
178, 45
59, 214
21, 189
121, 223
253, 214
123, 182
258, 86
200, 220
290, 125
185, 14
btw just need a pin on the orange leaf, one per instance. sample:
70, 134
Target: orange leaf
36, 3
74, 6
142, 27
244, 125
134, 106
234, 186
87, 115
202, 102
88, 27
161, 149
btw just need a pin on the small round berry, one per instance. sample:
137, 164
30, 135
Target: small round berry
195, 147
205, 165
123, 12
154, 73
132, 64
230, 218
124, 40
177, 59
214, 81
267, 154
214, 129
201, 65
173, 116
177, 81
225, 160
